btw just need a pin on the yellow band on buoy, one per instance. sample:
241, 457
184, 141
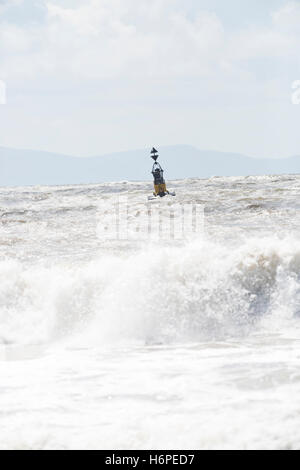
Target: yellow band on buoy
160, 188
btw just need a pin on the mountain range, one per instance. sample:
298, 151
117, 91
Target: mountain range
32, 167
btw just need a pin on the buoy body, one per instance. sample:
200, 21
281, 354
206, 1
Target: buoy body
160, 189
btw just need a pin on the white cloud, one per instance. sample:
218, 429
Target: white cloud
287, 18
155, 54
103, 38
108, 38
15, 40
259, 44
5, 4
91, 19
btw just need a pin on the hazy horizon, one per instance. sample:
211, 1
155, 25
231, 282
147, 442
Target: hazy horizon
28, 167
147, 151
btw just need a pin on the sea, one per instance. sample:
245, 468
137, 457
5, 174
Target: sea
169, 323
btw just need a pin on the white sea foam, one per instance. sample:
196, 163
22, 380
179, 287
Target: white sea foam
197, 291
115, 344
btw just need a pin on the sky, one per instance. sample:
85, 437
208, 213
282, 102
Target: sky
90, 77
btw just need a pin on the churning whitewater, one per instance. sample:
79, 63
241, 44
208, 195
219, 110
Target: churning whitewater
189, 343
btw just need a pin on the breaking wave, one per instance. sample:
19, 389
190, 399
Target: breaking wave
199, 291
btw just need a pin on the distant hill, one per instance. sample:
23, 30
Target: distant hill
29, 167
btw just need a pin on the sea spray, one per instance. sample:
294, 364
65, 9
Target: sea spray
192, 292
